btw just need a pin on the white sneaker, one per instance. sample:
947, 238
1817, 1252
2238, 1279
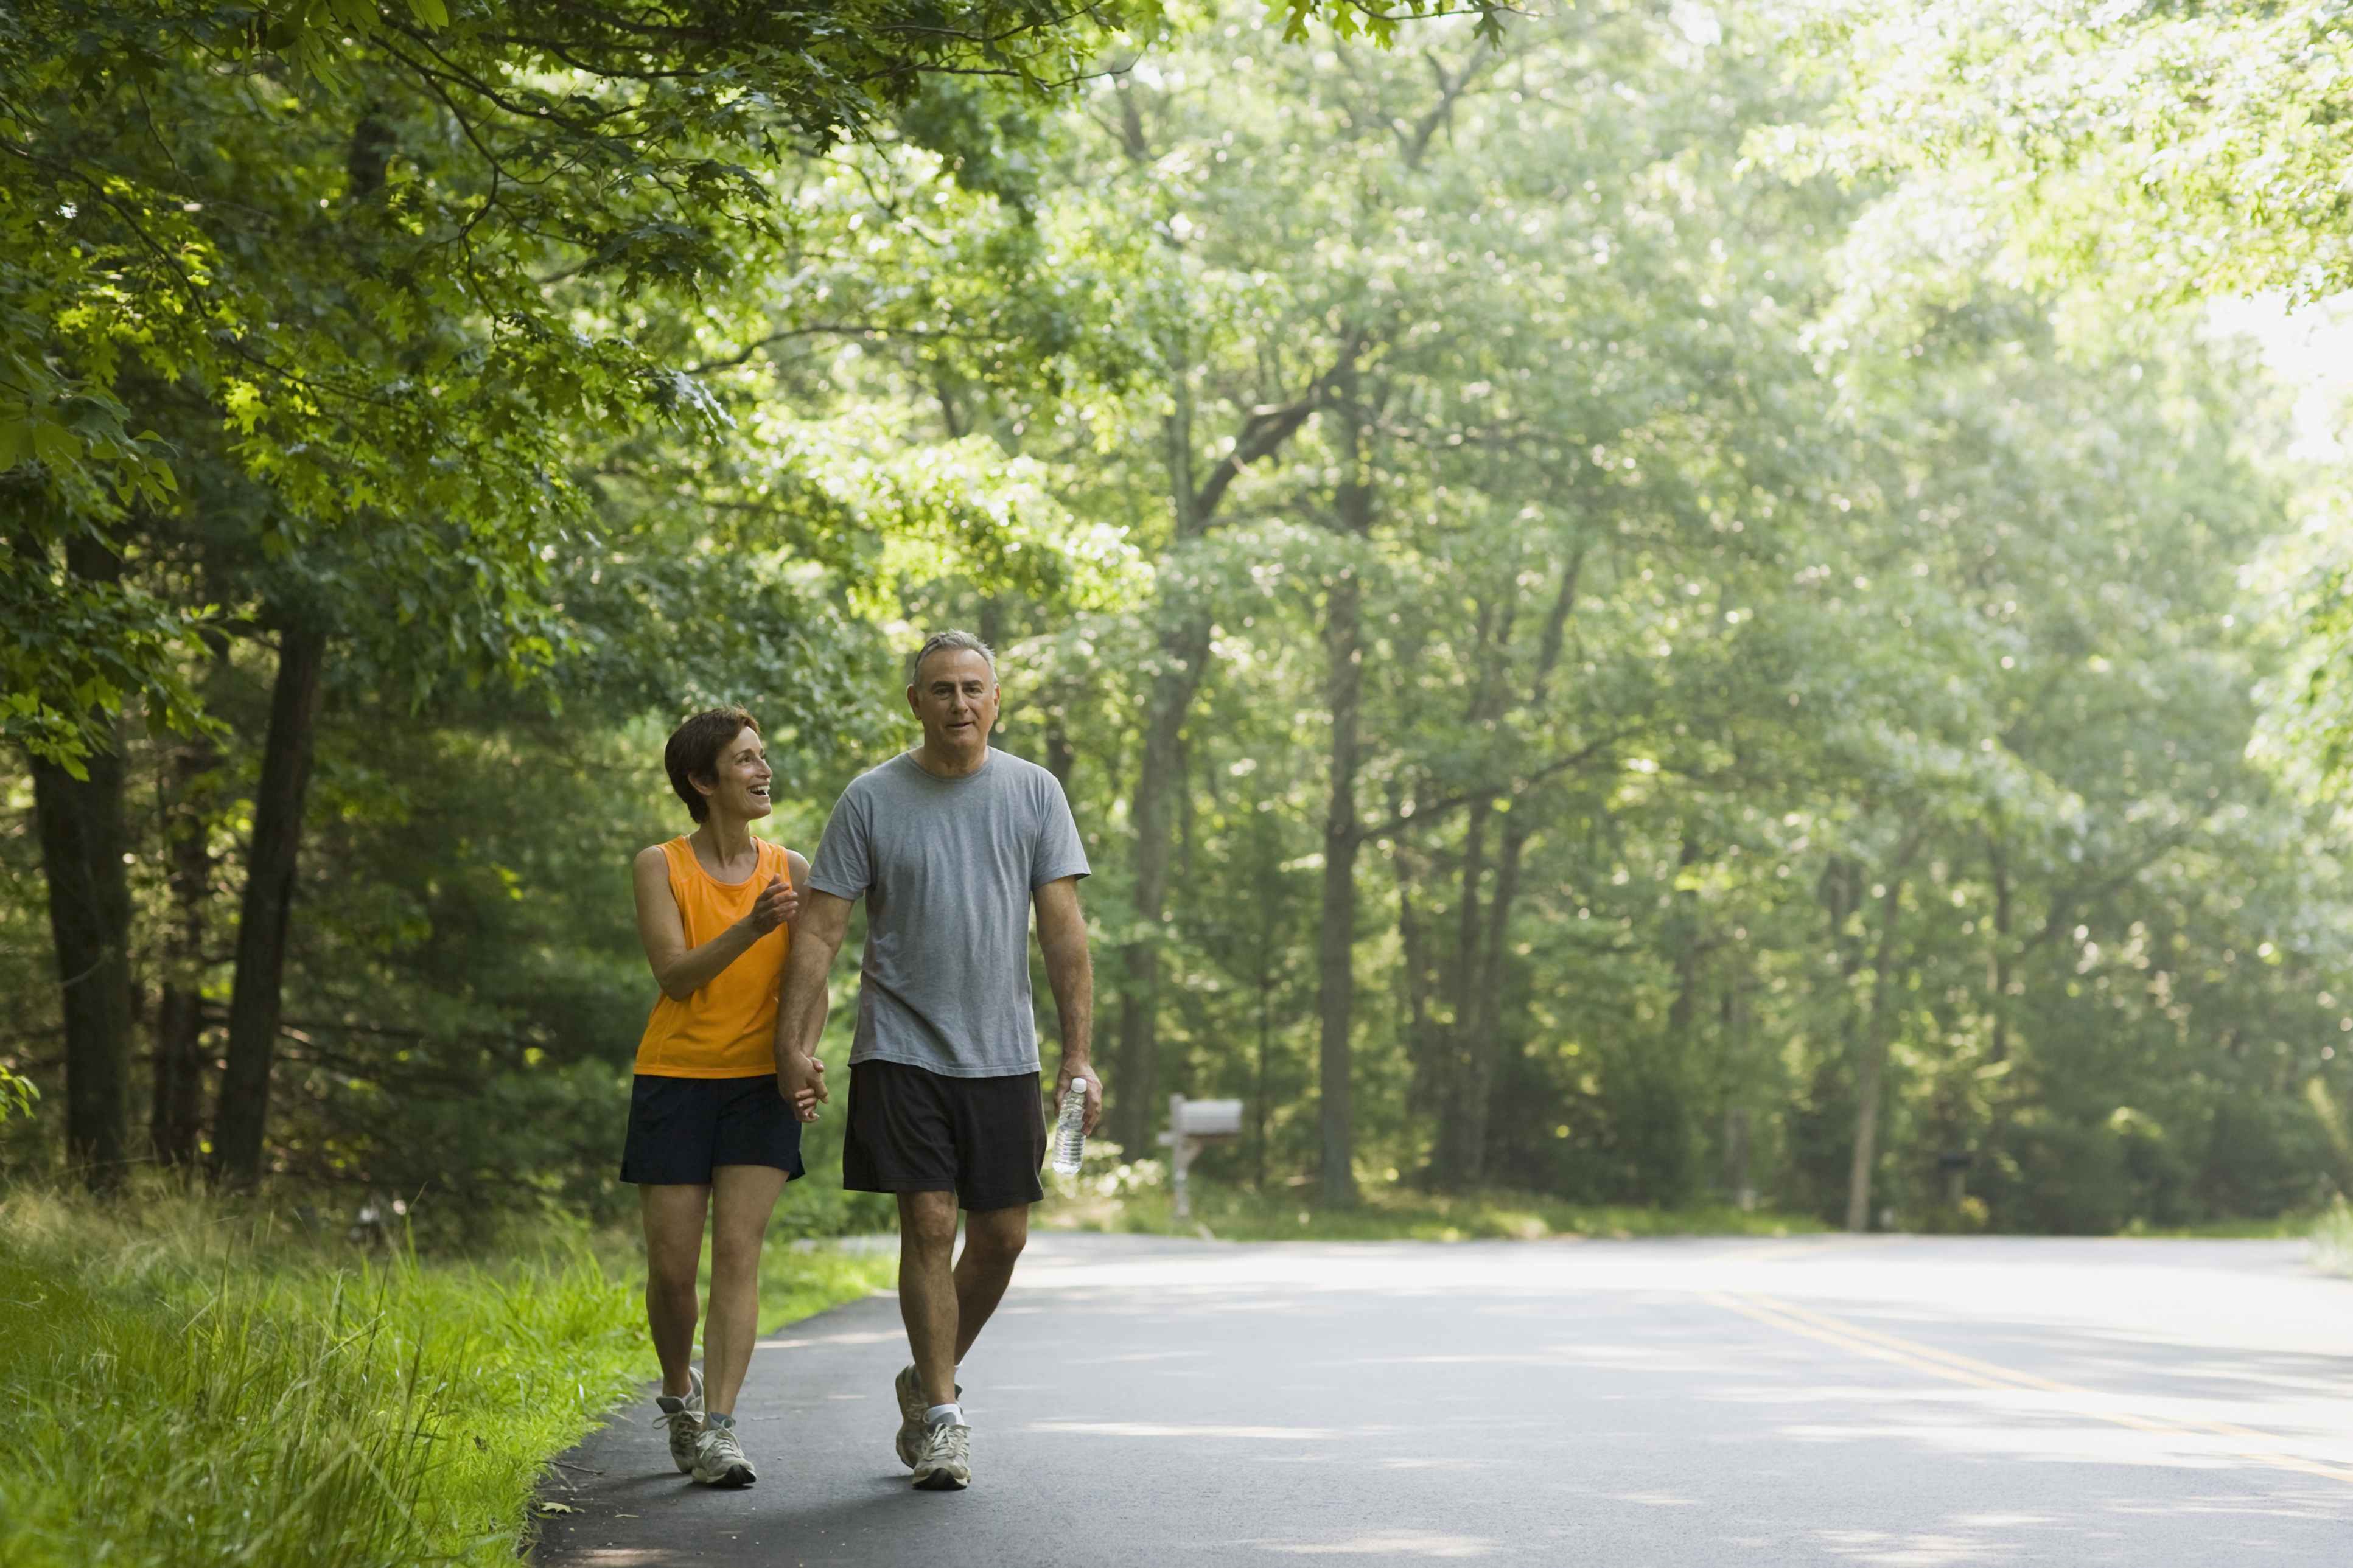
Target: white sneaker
684, 1415
911, 1405
718, 1458
946, 1463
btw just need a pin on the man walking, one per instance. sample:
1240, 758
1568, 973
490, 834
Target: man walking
951, 844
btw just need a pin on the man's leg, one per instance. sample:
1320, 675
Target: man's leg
742, 1199
993, 1240
928, 1288
672, 1217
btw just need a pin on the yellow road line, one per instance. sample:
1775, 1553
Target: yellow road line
1821, 1325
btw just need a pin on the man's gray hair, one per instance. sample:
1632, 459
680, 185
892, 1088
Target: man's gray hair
940, 642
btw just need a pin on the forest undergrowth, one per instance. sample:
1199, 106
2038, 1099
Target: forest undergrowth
2332, 1239
186, 1382
1136, 1198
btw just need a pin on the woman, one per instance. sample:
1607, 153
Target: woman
710, 1123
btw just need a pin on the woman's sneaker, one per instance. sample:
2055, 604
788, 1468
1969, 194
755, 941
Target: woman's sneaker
719, 1460
946, 1463
684, 1415
911, 1405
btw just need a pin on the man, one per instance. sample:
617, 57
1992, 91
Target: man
951, 844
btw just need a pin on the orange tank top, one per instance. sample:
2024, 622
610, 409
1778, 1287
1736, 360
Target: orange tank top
727, 1029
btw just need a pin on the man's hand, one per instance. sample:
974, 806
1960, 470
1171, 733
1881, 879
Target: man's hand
778, 903
1072, 1072
1062, 937
801, 1080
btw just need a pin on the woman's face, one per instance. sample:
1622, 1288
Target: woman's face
740, 778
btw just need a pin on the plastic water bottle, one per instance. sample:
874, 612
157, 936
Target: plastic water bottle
1070, 1130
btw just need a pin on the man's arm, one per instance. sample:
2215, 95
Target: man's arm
1063, 935
800, 1012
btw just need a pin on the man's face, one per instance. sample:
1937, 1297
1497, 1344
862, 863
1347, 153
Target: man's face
955, 698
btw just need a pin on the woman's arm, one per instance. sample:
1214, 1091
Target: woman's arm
679, 970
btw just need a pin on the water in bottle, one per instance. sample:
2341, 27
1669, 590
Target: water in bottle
1069, 1129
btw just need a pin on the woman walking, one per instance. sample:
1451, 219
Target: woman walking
714, 1128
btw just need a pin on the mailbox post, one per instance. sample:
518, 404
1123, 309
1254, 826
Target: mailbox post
1194, 1124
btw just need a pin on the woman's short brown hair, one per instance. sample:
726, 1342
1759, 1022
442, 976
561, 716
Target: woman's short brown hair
693, 749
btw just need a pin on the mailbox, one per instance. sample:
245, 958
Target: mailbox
1191, 1124
1209, 1118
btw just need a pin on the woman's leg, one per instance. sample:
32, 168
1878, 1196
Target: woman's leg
673, 1222
742, 1198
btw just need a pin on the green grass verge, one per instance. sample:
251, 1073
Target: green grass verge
182, 1384
2283, 1227
1106, 1197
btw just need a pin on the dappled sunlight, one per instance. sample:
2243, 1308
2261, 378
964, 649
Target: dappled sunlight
1405, 1543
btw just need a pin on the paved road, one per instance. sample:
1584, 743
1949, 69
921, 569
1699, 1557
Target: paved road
1897, 1400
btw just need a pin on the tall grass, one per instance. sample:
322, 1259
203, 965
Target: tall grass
182, 1386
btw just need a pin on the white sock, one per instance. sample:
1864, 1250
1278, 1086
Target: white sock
953, 1414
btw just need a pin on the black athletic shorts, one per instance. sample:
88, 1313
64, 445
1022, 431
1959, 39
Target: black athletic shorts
910, 1130
681, 1127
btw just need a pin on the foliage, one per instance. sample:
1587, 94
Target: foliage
2174, 151
282, 1400
1803, 650
2157, 153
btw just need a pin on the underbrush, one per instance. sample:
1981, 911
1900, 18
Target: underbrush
187, 1383
1108, 1197
2332, 1239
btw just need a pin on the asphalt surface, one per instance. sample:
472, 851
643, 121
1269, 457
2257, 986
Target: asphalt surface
1872, 1400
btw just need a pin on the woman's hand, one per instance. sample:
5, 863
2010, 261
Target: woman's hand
778, 902
801, 1080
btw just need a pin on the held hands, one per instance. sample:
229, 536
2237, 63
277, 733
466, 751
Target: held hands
801, 1080
1062, 1081
778, 903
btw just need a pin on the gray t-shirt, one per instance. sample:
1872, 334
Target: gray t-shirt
948, 867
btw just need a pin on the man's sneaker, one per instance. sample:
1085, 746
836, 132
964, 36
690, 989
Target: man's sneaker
911, 1405
946, 1463
684, 1415
719, 1460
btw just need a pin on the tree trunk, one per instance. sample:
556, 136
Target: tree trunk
1459, 1098
80, 825
1737, 1180
1336, 935
1425, 1043
1875, 1060
1181, 663
175, 1117
1998, 865
1151, 811
1478, 1018
271, 864
1182, 648
1736, 1158
1061, 757
1335, 944
81, 829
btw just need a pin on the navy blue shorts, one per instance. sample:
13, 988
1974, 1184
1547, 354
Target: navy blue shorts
681, 1127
